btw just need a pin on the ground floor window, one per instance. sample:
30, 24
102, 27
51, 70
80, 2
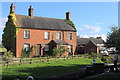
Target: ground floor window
26, 46
46, 47
70, 48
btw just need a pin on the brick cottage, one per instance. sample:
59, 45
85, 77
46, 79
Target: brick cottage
45, 33
90, 45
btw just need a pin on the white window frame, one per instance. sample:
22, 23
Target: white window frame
46, 35
26, 46
69, 48
69, 36
58, 35
26, 34
46, 48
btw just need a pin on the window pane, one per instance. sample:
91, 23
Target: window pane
58, 35
70, 48
46, 35
46, 47
27, 46
26, 34
69, 36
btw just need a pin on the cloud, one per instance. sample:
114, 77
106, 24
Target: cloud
3, 21
89, 29
103, 36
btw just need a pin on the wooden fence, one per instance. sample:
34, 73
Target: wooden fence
20, 61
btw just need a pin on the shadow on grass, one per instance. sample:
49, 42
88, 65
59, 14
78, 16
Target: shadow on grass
42, 72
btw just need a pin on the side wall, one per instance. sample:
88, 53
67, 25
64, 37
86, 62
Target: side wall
90, 47
37, 37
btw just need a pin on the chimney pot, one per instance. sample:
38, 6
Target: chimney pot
30, 11
12, 8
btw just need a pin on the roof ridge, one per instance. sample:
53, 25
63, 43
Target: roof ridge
92, 42
39, 17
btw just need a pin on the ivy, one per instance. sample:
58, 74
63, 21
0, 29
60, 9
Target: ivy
9, 33
69, 22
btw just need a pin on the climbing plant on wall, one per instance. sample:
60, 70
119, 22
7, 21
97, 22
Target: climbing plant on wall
70, 23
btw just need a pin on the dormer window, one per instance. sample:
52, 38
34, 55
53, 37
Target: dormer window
26, 34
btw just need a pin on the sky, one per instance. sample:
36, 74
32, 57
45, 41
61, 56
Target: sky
91, 19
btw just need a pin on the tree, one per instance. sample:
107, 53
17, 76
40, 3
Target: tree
9, 33
113, 39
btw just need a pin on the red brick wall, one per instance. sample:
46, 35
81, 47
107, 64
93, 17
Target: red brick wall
37, 36
90, 47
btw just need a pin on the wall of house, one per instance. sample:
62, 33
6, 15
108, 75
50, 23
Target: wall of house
90, 47
37, 37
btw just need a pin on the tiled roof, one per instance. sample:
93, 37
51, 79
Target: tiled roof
83, 41
42, 23
62, 42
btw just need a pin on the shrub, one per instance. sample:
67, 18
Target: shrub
107, 59
58, 51
26, 54
7, 56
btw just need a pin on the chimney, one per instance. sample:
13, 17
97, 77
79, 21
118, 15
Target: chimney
12, 8
68, 15
30, 11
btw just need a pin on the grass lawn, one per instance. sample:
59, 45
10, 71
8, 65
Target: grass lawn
45, 69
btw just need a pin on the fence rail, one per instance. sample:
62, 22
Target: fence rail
19, 61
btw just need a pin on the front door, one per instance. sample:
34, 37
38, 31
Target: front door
39, 49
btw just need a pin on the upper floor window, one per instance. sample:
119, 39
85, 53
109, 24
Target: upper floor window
46, 35
58, 35
46, 48
69, 36
26, 34
26, 46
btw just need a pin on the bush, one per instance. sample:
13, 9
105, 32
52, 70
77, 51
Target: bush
92, 55
107, 59
58, 51
8, 56
26, 54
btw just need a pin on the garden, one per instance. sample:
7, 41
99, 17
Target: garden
44, 67
47, 67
